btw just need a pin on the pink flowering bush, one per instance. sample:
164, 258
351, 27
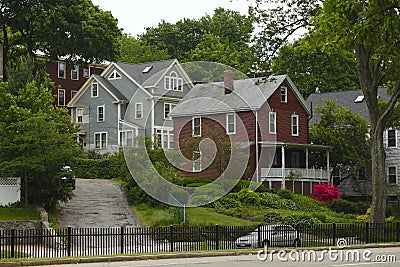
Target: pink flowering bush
325, 192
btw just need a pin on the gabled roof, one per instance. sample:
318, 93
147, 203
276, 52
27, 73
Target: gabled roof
150, 77
247, 95
352, 100
114, 92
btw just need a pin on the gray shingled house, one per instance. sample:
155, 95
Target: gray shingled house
354, 100
128, 100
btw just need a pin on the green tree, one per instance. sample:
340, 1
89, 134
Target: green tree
37, 140
370, 30
310, 67
135, 51
76, 30
224, 37
347, 133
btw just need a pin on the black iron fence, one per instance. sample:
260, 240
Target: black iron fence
112, 241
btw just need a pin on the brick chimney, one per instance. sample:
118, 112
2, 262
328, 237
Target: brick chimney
228, 81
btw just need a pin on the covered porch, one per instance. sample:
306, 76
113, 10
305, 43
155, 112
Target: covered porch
293, 166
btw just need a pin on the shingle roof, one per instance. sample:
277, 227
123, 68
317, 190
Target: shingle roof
152, 76
210, 98
110, 87
346, 99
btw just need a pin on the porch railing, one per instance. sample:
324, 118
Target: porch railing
297, 173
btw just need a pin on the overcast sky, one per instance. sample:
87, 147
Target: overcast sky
134, 16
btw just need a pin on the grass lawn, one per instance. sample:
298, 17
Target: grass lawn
195, 217
18, 214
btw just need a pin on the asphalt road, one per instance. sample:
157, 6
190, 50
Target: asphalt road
97, 203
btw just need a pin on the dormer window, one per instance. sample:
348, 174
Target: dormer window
173, 82
114, 75
284, 94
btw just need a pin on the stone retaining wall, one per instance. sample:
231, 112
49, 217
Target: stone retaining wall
20, 225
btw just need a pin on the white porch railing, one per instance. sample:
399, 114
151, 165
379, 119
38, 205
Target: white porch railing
296, 173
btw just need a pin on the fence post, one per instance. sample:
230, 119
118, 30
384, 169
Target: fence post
171, 234
397, 231
366, 232
334, 234
259, 236
69, 239
216, 237
122, 240
12, 243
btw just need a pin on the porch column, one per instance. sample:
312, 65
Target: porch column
283, 167
327, 165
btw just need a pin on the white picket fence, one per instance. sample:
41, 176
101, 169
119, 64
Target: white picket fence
10, 190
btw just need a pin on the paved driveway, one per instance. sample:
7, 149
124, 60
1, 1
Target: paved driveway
97, 203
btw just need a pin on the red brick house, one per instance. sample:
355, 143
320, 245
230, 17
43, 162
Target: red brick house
68, 79
266, 115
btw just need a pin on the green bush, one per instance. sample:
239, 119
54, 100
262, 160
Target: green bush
248, 197
362, 206
200, 181
206, 194
284, 193
273, 216
343, 206
269, 200
300, 219
180, 195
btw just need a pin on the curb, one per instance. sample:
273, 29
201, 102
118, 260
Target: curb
108, 259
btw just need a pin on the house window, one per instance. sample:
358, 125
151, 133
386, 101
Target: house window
392, 175
391, 138
196, 161
100, 113
95, 90
100, 140
165, 138
126, 138
114, 75
61, 70
230, 123
284, 94
73, 93
79, 115
272, 123
61, 97
172, 82
86, 72
168, 107
75, 73
196, 126
295, 159
138, 110
295, 125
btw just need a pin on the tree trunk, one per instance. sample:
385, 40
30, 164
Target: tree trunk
378, 175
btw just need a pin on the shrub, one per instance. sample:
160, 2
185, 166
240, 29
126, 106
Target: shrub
343, 206
325, 192
248, 197
203, 195
180, 195
300, 219
272, 216
269, 200
283, 193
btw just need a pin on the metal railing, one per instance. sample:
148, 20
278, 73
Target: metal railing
304, 174
112, 241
